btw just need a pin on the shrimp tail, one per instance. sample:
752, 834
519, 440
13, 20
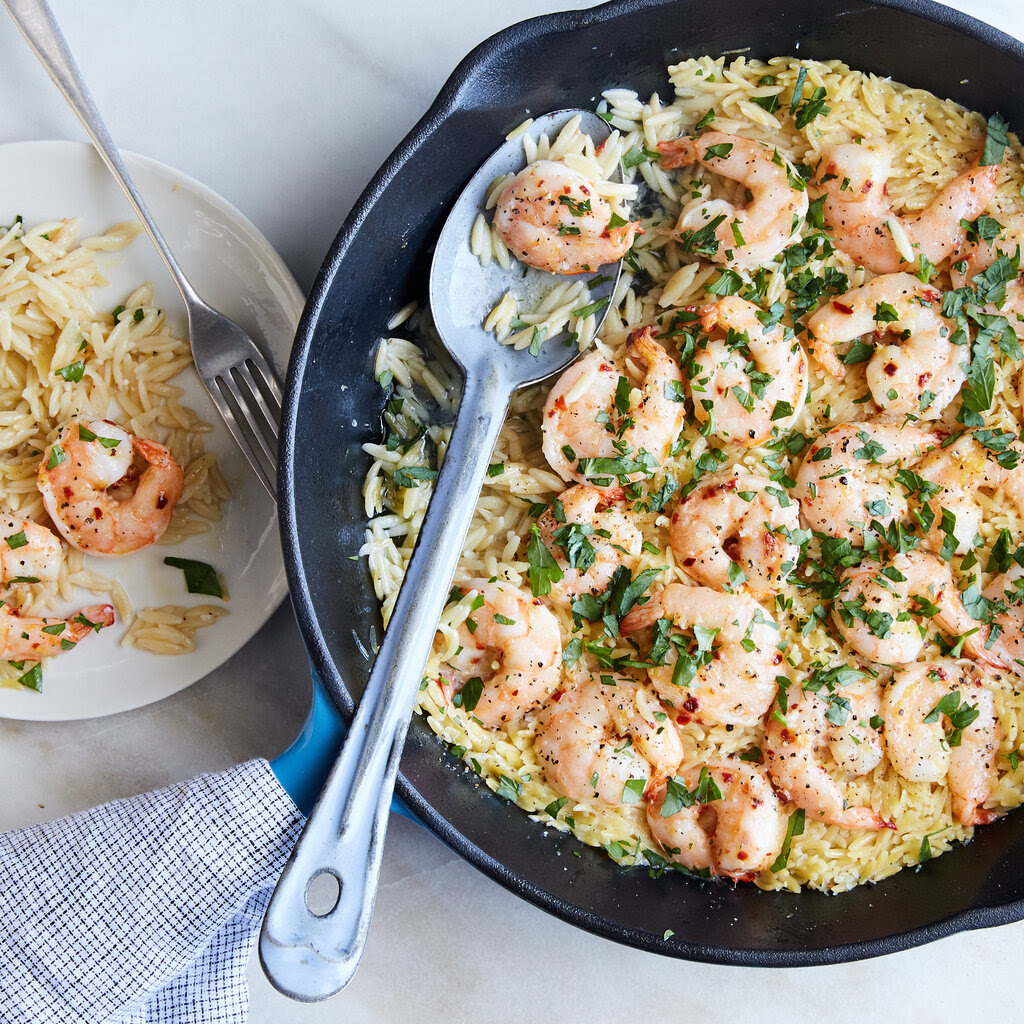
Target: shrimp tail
681, 152
968, 812
95, 617
864, 817
827, 359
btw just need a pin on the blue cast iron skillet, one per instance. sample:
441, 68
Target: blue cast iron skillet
379, 262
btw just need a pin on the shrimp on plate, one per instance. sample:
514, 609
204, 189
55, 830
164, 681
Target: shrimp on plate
731, 523
744, 236
919, 371
552, 218
718, 655
746, 380
87, 478
874, 614
859, 213
29, 638
733, 825
798, 748
590, 538
512, 647
604, 424
838, 493
941, 726
595, 738
29, 553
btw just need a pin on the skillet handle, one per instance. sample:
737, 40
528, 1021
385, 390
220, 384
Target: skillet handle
310, 956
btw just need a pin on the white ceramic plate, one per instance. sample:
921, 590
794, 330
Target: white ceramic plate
237, 272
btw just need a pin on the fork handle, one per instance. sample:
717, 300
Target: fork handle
311, 957
37, 24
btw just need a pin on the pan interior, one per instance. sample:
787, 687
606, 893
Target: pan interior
380, 261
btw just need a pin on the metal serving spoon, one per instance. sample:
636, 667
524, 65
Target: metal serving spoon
317, 921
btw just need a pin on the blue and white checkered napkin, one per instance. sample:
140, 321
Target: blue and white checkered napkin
143, 910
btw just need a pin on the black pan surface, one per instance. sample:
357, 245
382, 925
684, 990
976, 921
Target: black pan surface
379, 262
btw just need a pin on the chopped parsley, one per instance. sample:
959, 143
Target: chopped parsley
200, 578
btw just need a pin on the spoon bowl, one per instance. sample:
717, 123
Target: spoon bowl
316, 924
463, 291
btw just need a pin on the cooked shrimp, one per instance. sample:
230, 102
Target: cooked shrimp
552, 218
861, 218
726, 671
731, 523
585, 412
837, 494
919, 372
27, 638
748, 236
955, 742
595, 738
1006, 643
874, 614
29, 553
512, 645
736, 834
83, 475
795, 752
590, 538
976, 256
746, 380
856, 745
960, 472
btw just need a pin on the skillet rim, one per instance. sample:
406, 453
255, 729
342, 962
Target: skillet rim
448, 101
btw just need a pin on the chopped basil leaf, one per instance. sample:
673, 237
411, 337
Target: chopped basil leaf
589, 310
798, 90
33, 678
200, 578
995, 141
572, 651
72, 372
576, 207
793, 829
728, 282
704, 121
555, 806
470, 693
633, 791
509, 788
544, 569
859, 352
409, 476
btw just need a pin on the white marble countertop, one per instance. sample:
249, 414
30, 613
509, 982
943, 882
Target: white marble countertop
269, 104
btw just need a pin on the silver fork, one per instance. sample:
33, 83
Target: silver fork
242, 383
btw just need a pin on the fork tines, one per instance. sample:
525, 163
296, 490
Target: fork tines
248, 395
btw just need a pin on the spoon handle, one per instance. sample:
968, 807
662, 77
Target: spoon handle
309, 956
37, 24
